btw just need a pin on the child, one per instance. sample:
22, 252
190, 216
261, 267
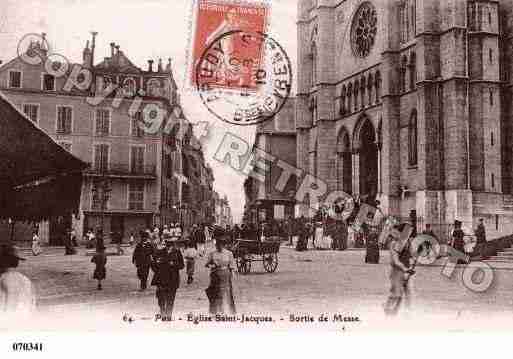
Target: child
190, 255
100, 259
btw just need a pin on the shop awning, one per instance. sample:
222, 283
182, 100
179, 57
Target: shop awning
38, 177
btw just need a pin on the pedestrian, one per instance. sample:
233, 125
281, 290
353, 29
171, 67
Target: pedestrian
201, 240
480, 233
303, 233
68, 244
400, 272
371, 244
100, 260
458, 242
73, 235
17, 294
427, 246
190, 254
289, 230
166, 265
131, 239
220, 291
142, 257
90, 237
117, 239
99, 238
36, 245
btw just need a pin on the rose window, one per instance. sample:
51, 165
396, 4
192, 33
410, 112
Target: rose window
364, 28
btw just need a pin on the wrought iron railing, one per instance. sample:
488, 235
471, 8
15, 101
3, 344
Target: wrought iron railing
122, 169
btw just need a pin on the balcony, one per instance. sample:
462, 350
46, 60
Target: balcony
122, 170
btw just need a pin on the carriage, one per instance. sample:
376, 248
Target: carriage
249, 251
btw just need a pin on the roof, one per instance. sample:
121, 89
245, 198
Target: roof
33, 164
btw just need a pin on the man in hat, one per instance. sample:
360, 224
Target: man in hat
142, 259
480, 238
167, 264
17, 294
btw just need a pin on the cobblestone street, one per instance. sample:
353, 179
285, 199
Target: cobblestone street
307, 283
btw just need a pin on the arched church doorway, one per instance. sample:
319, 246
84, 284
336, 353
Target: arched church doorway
368, 161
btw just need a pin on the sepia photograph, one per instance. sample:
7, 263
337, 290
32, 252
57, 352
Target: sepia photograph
255, 166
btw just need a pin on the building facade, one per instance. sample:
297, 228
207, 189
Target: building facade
136, 175
266, 197
409, 101
223, 213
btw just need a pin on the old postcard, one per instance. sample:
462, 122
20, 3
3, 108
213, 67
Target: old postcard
339, 166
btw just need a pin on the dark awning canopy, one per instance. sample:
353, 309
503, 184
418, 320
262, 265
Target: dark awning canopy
38, 177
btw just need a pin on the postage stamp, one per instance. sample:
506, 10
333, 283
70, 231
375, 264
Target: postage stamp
212, 19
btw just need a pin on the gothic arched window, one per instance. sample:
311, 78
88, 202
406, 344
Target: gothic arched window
349, 98
129, 87
402, 74
412, 139
413, 71
377, 84
355, 89
362, 91
407, 19
343, 100
370, 84
314, 65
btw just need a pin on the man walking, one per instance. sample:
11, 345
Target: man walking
167, 265
481, 238
400, 273
142, 259
17, 294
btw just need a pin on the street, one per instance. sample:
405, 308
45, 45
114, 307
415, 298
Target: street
305, 285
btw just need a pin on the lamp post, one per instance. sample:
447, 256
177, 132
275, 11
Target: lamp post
102, 189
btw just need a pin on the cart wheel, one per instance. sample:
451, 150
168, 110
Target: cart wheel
270, 262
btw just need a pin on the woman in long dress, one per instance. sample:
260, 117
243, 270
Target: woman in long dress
36, 245
220, 291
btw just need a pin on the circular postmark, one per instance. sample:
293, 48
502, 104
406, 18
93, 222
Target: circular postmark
244, 78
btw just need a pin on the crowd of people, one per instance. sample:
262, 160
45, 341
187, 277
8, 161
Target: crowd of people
166, 252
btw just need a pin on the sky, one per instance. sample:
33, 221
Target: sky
144, 29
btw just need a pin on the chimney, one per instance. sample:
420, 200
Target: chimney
93, 46
168, 66
86, 55
43, 48
112, 46
150, 65
160, 66
117, 49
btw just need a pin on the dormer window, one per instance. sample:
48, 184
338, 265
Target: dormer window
154, 88
129, 87
107, 81
48, 82
15, 79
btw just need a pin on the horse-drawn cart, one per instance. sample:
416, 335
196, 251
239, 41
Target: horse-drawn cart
247, 251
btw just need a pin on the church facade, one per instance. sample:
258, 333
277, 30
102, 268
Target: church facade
409, 101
